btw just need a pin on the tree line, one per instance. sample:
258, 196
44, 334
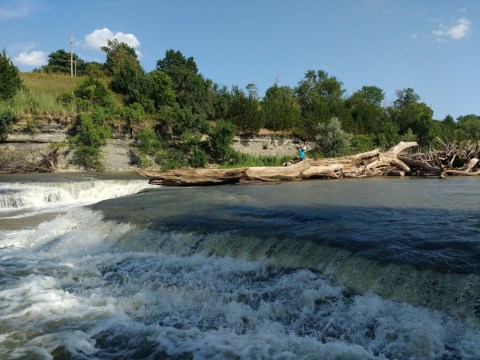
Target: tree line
180, 118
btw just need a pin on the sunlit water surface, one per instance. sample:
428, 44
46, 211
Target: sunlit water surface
108, 267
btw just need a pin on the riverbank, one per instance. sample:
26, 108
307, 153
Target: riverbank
119, 155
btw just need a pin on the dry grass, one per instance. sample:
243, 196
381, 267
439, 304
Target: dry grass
49, 84
40, 93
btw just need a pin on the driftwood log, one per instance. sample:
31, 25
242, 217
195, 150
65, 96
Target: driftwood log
12, 162
368, 164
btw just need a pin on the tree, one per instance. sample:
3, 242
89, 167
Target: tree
93, 90
252, 91
221, 140
88, 140
282, 111
59, 62
469, 128
117, 53
365, 109
10, 81
320, 98
191, 90
245, 113
409, 113
331, 139
160, 89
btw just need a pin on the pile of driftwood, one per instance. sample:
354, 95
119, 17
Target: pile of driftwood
439, 163
12, 161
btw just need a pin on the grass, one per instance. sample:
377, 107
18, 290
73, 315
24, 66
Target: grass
246, 160
40, 92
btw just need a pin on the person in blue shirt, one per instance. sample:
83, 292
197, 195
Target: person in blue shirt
301, 151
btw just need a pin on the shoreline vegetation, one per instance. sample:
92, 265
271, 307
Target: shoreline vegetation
116, 116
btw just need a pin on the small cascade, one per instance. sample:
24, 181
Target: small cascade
41, 194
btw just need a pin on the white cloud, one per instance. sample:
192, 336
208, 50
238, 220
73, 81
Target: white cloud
455, 32
32, 58
19, 10
100, 37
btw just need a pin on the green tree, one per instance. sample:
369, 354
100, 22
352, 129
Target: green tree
10, 81
409, 113
221, 140
7, 118
366, 110
469, 128
191, 90
87, 142
282, 111
448, 128
94, 91
160, 89
95, 69
331, 140
321, 98
245, 113
116, 54
59, 62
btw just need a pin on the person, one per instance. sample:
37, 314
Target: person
301, 151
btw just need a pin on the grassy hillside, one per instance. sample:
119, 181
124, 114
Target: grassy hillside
40, 93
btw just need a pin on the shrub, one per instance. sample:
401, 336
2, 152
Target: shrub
198, 158
147, 141
95, 91
364, 142
7, 118
331, 139
10, 81
88, 141
221, 140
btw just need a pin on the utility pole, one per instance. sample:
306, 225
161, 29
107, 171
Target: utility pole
71, 54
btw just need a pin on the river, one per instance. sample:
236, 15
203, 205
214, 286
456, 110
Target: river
108, 267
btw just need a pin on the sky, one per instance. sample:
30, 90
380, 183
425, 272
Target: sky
432, 46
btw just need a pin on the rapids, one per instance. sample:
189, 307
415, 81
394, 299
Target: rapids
108, 267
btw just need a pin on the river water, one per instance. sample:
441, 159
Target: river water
108, 267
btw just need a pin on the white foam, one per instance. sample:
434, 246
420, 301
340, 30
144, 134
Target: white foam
37, 194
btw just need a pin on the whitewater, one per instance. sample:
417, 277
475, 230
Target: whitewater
108, 267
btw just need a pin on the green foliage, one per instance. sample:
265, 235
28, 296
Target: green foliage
408, 112
221, 140
198, 158
331, 140
191, 90
129, 79
10, 81
95, 69
117, 54
147, 141
160, 89
366, 111
320, 98
59, 62
388, 134
171, 159
282, 111
469, 128
133, 114
245, 113
95, 91
363, 143
66, 98
90, 137
7, 118
239, 159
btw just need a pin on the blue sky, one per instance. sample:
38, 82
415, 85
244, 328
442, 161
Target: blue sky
432, 46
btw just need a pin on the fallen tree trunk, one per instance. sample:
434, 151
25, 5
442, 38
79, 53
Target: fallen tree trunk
368, 164
372, 163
